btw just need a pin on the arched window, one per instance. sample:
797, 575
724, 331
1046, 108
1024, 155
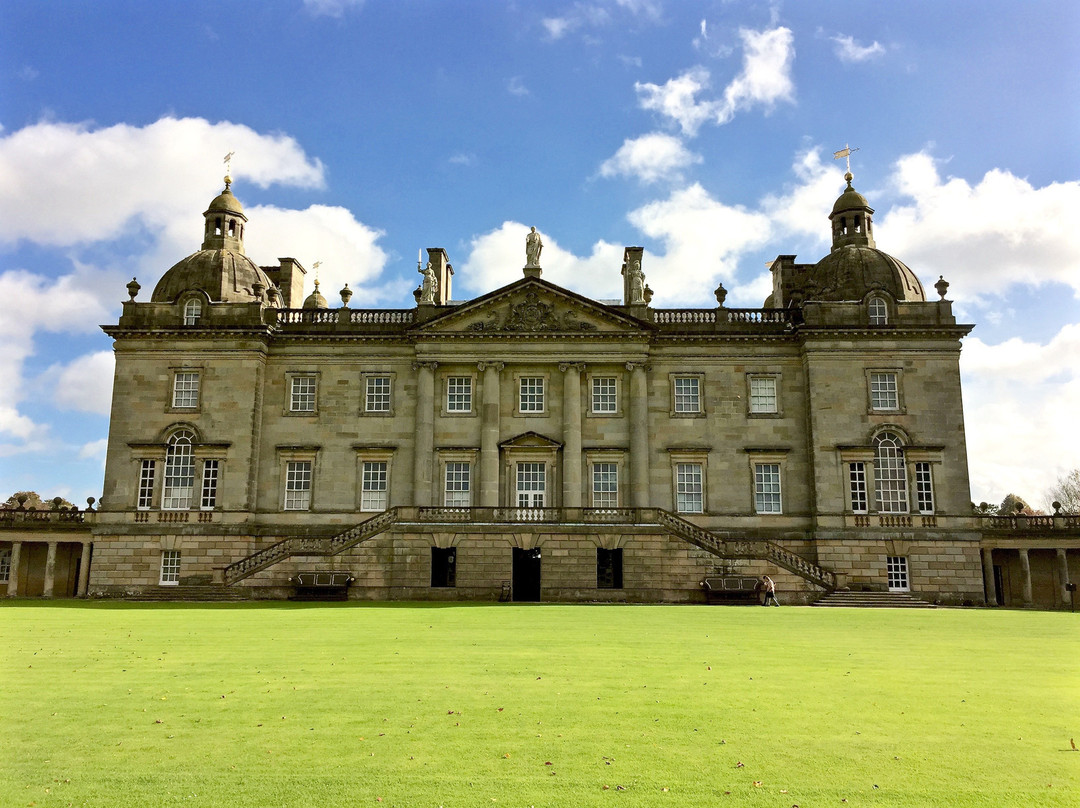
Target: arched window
192, 311
217, 226
878, 311
232, 227
179, 472
890, 473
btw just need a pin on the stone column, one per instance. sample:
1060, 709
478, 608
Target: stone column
424, 447
84, 571
13, 576
1025, 571
988, 576
1063, 575
571, 434
489, 435
639, 435
50, 570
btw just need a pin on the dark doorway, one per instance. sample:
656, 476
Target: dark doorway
527, 574
999, 585
608, 568
443, 566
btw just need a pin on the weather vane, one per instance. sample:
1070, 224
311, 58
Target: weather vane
228, 166
846, 153
315, 269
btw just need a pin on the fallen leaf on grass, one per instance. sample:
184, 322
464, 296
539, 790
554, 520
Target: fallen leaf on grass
740, 765
757, 784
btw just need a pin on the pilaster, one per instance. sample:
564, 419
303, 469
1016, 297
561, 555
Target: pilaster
489, 435
639, 434
571, 434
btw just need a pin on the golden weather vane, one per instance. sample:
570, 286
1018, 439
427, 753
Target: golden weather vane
228, 166
846, 153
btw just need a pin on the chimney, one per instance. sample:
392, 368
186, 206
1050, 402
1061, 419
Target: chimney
289, 276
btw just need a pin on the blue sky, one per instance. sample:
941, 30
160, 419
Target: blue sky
702, 131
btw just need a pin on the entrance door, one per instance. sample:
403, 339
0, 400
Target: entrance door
531, 485
527, 574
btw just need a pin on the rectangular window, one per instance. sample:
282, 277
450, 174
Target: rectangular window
896, 568
767, 488
208, 501
185, 390
443, 566
531, 485
763, 394
857, 483
605, 485
609, 568
146, 485
373, 485
531, 397
687, 394
302, 394
884, 393
458, 494
377, 398
688, 488
179, 484
5, 565
459, 394
924, 488
298, 485
170, 568
603, 395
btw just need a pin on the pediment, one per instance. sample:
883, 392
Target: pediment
530, 440
533, 307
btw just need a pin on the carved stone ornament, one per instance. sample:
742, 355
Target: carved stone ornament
532, 315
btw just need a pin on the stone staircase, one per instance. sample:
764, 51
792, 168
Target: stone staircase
209, 593
872, 600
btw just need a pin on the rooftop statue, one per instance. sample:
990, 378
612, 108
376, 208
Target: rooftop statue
431, 284
533, 246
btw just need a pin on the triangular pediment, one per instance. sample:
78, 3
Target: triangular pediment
533, 307
530, 440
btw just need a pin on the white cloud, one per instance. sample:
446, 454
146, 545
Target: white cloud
331, 8
584, 15
803, 210
95, 182
516, 86
850, 51
95, 448
703, 240
558, 27
650, 158
1020, 404
346, 247
85, 383
982, 237
497, 257
462, 159
765, 79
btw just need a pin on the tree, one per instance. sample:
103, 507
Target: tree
1066, 491
34, 500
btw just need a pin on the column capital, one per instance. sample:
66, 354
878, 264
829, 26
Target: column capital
565, 366
638, 366
496, 366
425, 365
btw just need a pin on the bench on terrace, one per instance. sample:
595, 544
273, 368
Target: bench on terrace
321, 585
732, 589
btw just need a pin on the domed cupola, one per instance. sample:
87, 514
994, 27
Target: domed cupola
852, 218
855, 267
220, 268
315, 300
225, 222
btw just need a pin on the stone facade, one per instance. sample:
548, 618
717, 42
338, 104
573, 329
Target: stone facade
534, 442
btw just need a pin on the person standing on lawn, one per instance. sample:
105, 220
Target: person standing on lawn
770, 591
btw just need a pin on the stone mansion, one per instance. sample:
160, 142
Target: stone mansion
535, 444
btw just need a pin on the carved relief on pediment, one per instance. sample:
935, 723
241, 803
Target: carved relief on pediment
531, 315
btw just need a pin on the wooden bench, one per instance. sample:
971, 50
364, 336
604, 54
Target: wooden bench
321, 585
732, 589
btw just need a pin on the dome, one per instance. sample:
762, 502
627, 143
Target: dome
224, 275
315, 300
225, 202
849, 200
850, 272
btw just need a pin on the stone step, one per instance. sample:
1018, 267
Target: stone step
205, 594
870, 600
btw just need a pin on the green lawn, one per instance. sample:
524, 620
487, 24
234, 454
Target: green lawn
112, 705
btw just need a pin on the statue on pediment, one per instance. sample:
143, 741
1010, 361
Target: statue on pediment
533, 246
636, 283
